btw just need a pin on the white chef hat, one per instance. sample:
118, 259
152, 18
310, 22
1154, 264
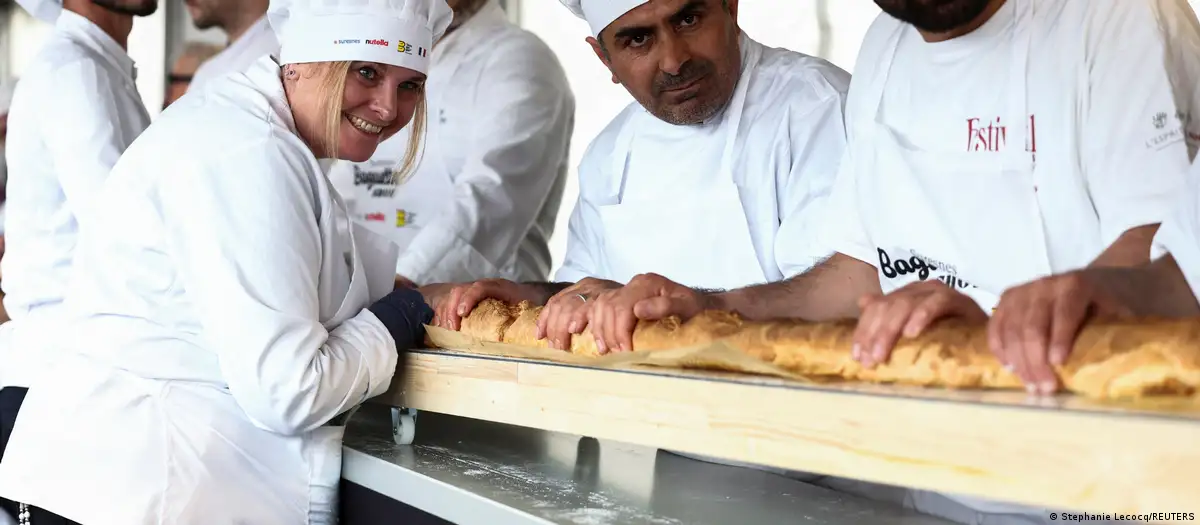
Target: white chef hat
394, 32
600, 13
44, 10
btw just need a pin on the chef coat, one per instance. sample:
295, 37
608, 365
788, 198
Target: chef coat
74, 112
722, 204
217, 324
987, 162
257, 41
937, 181
484, 199
1180, 233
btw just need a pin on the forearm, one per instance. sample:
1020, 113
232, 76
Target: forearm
1158, 289
544, 291
828, 291
1132, 248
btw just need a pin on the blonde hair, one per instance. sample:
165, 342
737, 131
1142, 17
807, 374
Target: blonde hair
332, 83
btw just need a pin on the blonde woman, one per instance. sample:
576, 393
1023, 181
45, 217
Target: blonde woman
221, 323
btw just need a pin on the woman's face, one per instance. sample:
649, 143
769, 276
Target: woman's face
379, 100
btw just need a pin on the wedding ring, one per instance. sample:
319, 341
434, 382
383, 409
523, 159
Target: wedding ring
581, 296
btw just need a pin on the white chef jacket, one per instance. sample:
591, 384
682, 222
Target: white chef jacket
74, 112
484, 200
257, 41
217, 322
1110, 91
1179, 234
788, 145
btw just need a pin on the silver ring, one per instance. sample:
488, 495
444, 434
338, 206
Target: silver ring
581, 296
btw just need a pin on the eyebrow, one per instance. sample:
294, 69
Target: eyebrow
687, 9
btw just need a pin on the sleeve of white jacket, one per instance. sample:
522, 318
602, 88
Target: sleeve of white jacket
1142, 89
816, 139
1180, 232
81, 131
518, 144
584, 242
244, 232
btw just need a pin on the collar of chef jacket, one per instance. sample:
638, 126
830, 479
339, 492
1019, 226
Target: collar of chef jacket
85, 32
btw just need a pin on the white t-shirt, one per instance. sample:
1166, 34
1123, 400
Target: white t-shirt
1111, 89
1180, 233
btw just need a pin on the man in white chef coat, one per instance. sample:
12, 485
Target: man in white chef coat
715, 176
245, 24
485, 197
990, 142
74, 112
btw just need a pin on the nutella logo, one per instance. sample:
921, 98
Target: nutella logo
378, 42
992, 135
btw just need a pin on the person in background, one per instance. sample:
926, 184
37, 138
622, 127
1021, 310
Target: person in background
180, 78
484, 200
221, 325
245, 23
991, 142
715, 176
74, 113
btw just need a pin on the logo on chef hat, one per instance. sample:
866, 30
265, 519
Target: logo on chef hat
404, 47
404, 218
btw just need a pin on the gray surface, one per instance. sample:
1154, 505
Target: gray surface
475, 472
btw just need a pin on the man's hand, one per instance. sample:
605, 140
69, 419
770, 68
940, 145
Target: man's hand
450, 306
908, 312
615, 313
566, 313
1035, 324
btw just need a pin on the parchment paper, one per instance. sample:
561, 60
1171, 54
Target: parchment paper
713, 356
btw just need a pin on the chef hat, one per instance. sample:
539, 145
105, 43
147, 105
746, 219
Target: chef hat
600, 13
44, 10
395, 32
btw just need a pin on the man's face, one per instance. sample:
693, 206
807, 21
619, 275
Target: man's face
129, 7
934, 16
679, 58
209, 13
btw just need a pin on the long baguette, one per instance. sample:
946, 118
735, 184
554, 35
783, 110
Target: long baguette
1112, 359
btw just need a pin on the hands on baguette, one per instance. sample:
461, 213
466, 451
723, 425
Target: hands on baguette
906, 312
453, 302
567, 313
649, 297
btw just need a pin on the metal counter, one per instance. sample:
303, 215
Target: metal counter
469, 472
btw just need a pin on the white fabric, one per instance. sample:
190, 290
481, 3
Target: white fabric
1111, 139
257, 41
7, 87
600, 13
218, 324
789, 141
81, 76
926, 180
44, 10
484, 200
1180, 232
395, 32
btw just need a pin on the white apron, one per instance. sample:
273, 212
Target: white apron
698, 237
185, 453
970, 219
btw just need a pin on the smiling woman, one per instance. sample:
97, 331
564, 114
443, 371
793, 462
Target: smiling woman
226, 321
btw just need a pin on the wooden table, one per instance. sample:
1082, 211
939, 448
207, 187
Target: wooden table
1066, 452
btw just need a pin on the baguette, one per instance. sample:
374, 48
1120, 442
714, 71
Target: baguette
1111, 359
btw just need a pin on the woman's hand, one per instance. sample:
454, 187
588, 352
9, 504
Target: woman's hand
566, 314
404, 313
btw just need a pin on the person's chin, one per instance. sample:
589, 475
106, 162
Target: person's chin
357, 152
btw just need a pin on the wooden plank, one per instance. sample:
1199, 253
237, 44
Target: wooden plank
1073, 455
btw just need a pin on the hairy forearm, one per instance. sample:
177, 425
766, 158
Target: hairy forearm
544, 291
1158, 289
828, 291
1132, 248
